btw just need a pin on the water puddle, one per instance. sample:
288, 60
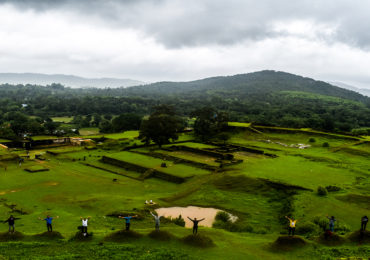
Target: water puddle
192, 212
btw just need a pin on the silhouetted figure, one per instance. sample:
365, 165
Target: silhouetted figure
195, 224
364, 221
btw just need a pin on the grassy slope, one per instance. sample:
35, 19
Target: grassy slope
71, 189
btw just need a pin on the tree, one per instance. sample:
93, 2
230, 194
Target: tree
209, 122
105, 127
161, 126
127, 121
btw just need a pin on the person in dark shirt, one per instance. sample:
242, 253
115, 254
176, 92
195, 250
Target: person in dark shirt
364, 221
11, 223
332, 221
195, 224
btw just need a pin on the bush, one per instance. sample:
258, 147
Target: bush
179, 221
322, 222
326, 144
223, 216
312, 140
321, 191
307, 228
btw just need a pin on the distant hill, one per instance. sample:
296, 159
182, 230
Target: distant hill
66, 80
255, 83
363, 91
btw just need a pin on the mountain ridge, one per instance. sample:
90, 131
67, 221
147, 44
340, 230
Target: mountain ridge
66, 80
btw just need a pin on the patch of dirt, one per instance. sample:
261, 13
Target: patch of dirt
288, 243
198, 241
331, 239
122, 236
6, 236
79, 236
50, 235
161, 235
360, 237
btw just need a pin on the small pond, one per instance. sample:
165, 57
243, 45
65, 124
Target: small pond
193, 212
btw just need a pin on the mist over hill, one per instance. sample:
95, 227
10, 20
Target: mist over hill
362, 91
66, 80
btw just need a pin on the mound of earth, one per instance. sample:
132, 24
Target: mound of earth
288, 243
6, 236
360, 236
331, 239
50, 235
122, 235
160, 235
198, 241
79, 236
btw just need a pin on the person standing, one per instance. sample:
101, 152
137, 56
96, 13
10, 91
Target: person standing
292, 223
49, 222
364, 221
128, 220
157, 222
195, 224
84, 225
331, 223
11, 222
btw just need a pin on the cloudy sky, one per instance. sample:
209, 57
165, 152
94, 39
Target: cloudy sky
154, 40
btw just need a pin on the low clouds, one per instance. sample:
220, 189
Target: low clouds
154, 40
177, 23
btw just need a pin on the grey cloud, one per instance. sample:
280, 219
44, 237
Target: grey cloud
176, 23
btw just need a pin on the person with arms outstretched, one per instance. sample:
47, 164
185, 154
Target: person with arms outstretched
11, 222
84, 225
292, 223
49, 221
157, 222
195, 224
364, 221
128, 219
331, 223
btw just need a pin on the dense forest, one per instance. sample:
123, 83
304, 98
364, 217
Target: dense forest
266, 98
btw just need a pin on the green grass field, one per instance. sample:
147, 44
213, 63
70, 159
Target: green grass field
260, 192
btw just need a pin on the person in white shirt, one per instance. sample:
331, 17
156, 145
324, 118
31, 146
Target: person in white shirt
157, 222
84, 225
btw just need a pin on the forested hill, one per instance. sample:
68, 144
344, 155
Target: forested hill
246, 84
266, 97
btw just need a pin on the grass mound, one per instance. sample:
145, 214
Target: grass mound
160, 235
6, 236
122, 235
331, 240
360, 237
49, 235
79, 236
198, 241
288, 243
36, 168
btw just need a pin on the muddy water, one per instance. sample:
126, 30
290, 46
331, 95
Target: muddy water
193, 212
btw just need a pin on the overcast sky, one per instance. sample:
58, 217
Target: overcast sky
153, 40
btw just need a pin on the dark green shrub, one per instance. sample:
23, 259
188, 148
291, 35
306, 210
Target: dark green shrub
179, 221
223, 216
312, 140
321, 191
326, 144
306, 228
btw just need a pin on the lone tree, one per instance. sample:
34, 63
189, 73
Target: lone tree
161, 126
209, 122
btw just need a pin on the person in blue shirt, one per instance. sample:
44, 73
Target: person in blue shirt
49, 221
331, 223
128, 218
